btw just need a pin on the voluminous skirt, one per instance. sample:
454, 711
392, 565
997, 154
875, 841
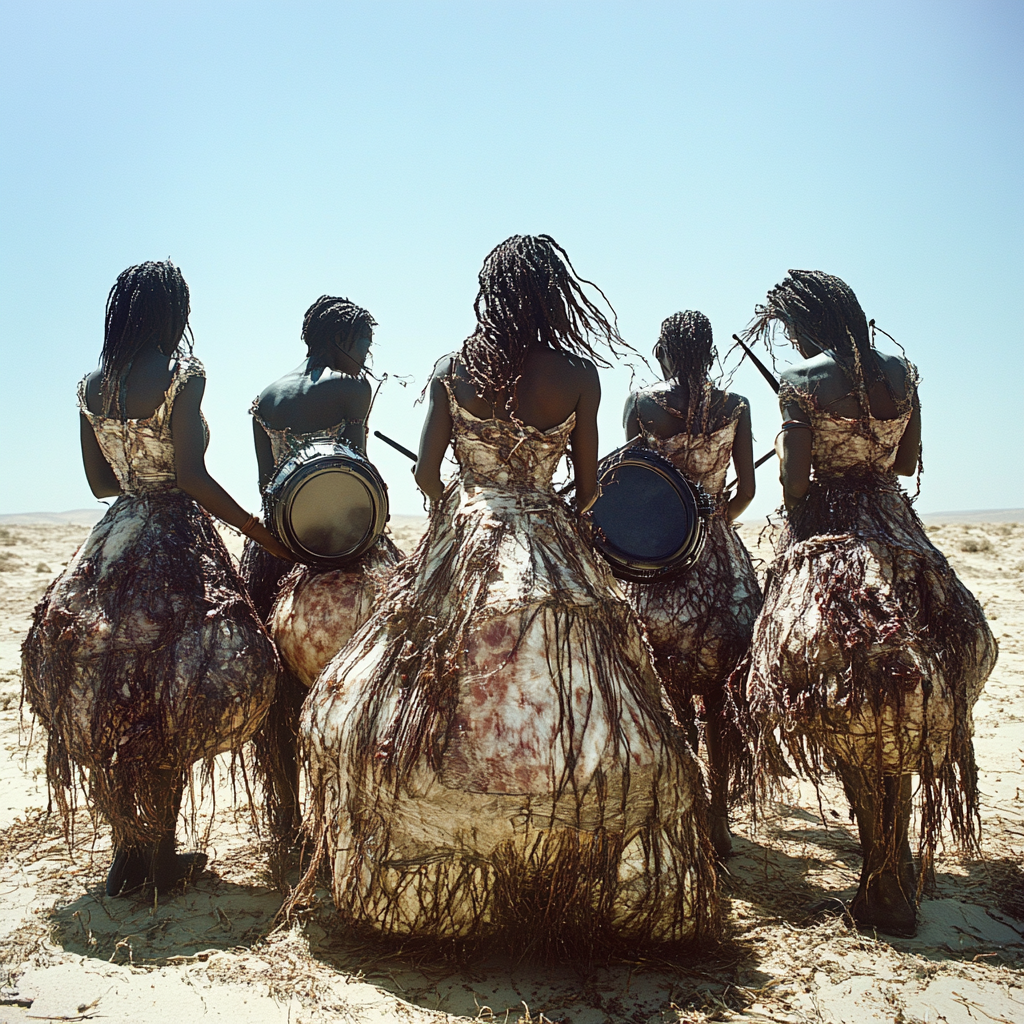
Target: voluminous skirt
317, 611
489, 753
145, 656
870, 653
700, 624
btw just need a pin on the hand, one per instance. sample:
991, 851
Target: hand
267, 540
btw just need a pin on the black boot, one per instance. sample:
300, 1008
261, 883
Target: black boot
127, 871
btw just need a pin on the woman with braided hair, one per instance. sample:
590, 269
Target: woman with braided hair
489, 754
311, 611
146, 655
869, 653
700, 624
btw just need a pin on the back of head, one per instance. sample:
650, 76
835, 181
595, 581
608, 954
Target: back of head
330, 316
687, 345
530, 294
823, 309
149, 304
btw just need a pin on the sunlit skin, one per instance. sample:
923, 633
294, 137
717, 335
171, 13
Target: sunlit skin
662, 423
553, 385
324, 389
147, 383
641, 407
821, 376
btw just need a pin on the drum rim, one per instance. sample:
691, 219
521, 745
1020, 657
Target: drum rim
629, 567
295, 472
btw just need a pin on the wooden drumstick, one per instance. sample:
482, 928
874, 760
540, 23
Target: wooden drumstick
394, 444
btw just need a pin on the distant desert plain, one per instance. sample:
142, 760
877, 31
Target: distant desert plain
215, 953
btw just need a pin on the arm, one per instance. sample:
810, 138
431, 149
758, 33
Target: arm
743, 460
436, 435
357, 402
264, 453
630, 419
908, 455
794, 450
583, 440
102, 480
193, 477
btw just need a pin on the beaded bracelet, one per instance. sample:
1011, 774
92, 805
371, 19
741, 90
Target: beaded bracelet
247, 526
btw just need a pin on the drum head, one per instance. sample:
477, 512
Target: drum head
314, 520
642, 513
327, 503
649, 521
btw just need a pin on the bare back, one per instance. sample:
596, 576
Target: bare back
823, 378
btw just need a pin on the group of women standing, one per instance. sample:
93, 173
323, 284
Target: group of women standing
499, 738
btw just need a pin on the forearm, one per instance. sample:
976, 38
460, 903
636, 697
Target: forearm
738, 504
201, 486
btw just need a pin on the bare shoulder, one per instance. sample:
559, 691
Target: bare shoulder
896, 369
731, 403
445, 366
92, 390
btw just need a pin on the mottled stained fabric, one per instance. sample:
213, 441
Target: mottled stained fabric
700, 623
870, 652
145, 654
489, 753
316, 610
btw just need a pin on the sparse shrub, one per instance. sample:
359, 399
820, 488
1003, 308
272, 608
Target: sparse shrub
7, 539
981, 543
8, 562
43, 567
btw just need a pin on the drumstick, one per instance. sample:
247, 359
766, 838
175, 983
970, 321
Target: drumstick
765, 372
398, 447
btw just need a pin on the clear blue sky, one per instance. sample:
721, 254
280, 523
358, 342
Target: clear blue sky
685, 154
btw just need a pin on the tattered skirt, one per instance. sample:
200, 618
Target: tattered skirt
870, 653
489, 753
145, 656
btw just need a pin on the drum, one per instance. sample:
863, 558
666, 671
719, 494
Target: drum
326, 503
649, 521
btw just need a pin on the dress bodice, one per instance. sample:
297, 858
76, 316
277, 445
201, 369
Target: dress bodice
141, 451
506, 454
842, 444
700, 457
285, 442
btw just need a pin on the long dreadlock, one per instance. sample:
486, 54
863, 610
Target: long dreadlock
824, 310
687, 345
148, 303
530, 293
331, 315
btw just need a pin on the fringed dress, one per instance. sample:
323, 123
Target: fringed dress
870, 653
315, 610
700, 624
145, 655
489, 754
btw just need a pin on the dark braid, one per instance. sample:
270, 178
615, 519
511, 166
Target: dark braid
530, 293
823, 309
330, 315
149, 303
688, 344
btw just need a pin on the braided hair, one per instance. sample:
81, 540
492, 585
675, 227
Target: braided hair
148, 304
688, 345
530, 293
824, 310
331, 315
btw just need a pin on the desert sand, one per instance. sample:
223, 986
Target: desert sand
213, 953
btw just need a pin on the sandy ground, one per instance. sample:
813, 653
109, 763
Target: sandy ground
212, 952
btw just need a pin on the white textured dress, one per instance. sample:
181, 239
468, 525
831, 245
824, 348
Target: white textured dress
490, 752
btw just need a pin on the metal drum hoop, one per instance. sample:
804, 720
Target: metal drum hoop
698, 502
304, 465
